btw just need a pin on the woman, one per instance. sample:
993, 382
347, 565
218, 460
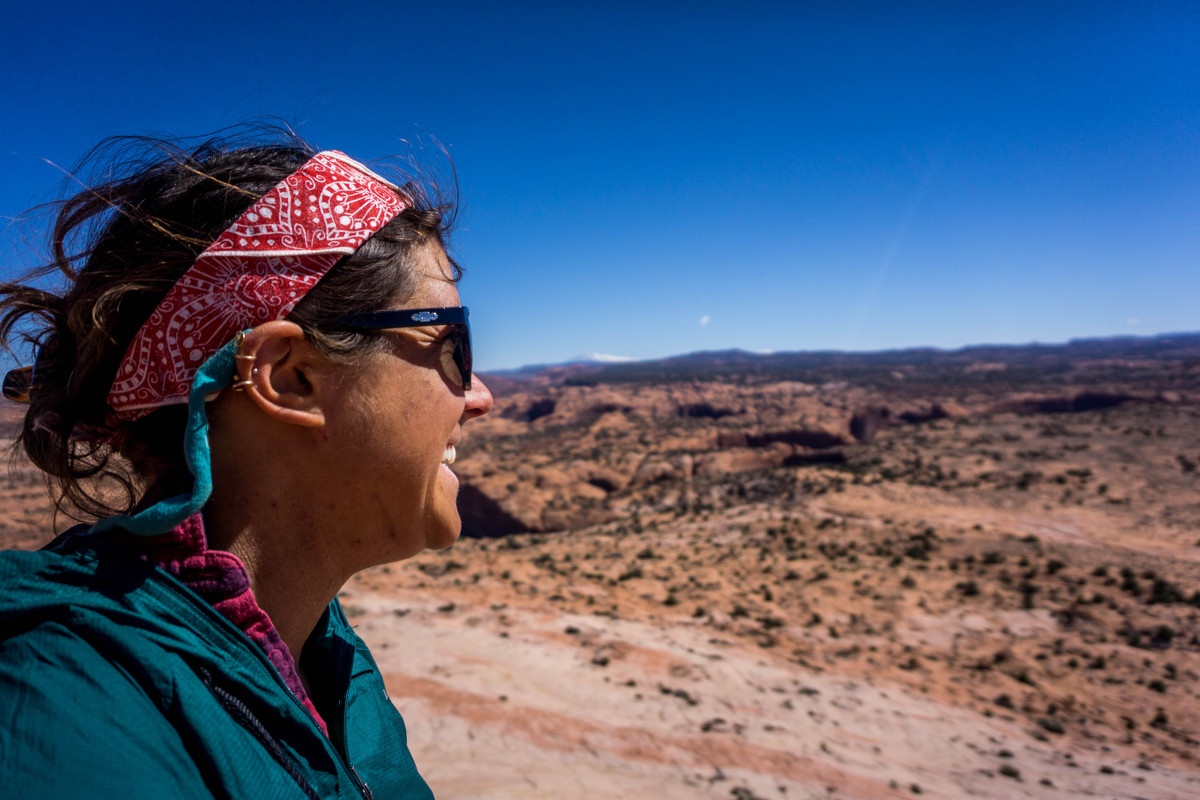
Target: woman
256, 379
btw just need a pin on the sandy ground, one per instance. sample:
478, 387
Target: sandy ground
510, 702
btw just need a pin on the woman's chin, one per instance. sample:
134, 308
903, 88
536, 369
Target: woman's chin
446, 534
442, 542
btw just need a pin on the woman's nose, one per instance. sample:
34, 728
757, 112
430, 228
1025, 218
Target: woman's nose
478, 399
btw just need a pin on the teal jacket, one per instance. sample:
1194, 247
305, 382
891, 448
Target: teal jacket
117, 681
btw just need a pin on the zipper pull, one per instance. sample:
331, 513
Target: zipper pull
363, 789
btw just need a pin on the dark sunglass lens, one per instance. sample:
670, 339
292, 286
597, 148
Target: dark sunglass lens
462, 354
456, 356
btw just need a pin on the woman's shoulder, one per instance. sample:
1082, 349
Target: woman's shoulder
103, 688
74, 615
73, 721
64, 574
80, 602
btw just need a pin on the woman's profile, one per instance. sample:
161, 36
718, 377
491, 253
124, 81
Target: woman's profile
250, 386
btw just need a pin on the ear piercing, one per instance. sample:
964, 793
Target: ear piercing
240, 385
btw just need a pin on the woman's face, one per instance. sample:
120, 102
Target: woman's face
398, 420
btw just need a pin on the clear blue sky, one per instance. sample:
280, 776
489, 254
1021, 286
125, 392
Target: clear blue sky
644, 179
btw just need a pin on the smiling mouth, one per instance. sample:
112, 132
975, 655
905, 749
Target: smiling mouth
449, 454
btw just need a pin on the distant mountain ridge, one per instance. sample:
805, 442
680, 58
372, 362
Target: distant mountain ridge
831, 365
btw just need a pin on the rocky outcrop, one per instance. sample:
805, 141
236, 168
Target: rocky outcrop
867, 422
535, 410
800, 437
484, 517
560, 456
812, 438
935, 411
741, 459
703, 411
1083, 401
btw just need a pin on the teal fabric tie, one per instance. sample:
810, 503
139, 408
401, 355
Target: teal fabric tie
214, 375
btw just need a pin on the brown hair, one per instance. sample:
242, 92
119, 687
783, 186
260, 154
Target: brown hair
120, 245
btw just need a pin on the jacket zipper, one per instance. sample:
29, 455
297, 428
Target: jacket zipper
254, 726
359, 783
277, 750
246, 718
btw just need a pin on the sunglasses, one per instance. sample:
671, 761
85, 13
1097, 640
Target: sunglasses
456, 346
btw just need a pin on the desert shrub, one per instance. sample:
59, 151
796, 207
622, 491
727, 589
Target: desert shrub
1163, 591
630, 574
1028, 590
743, 793
1129, 582
1162, 637
918, 551
1051, 724
968, 588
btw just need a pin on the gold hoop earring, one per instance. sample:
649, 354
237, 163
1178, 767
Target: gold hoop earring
239, 386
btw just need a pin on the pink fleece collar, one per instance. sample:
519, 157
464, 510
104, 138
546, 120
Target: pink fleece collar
220, 578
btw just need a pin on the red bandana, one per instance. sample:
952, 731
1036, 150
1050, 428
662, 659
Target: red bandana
255, 272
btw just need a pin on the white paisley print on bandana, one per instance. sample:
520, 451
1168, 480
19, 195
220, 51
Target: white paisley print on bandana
255, 272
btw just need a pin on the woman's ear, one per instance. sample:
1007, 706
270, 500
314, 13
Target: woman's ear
281, 373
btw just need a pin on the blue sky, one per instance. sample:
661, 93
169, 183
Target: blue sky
644, 179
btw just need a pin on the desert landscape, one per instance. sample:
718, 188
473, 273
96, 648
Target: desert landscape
919, 573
